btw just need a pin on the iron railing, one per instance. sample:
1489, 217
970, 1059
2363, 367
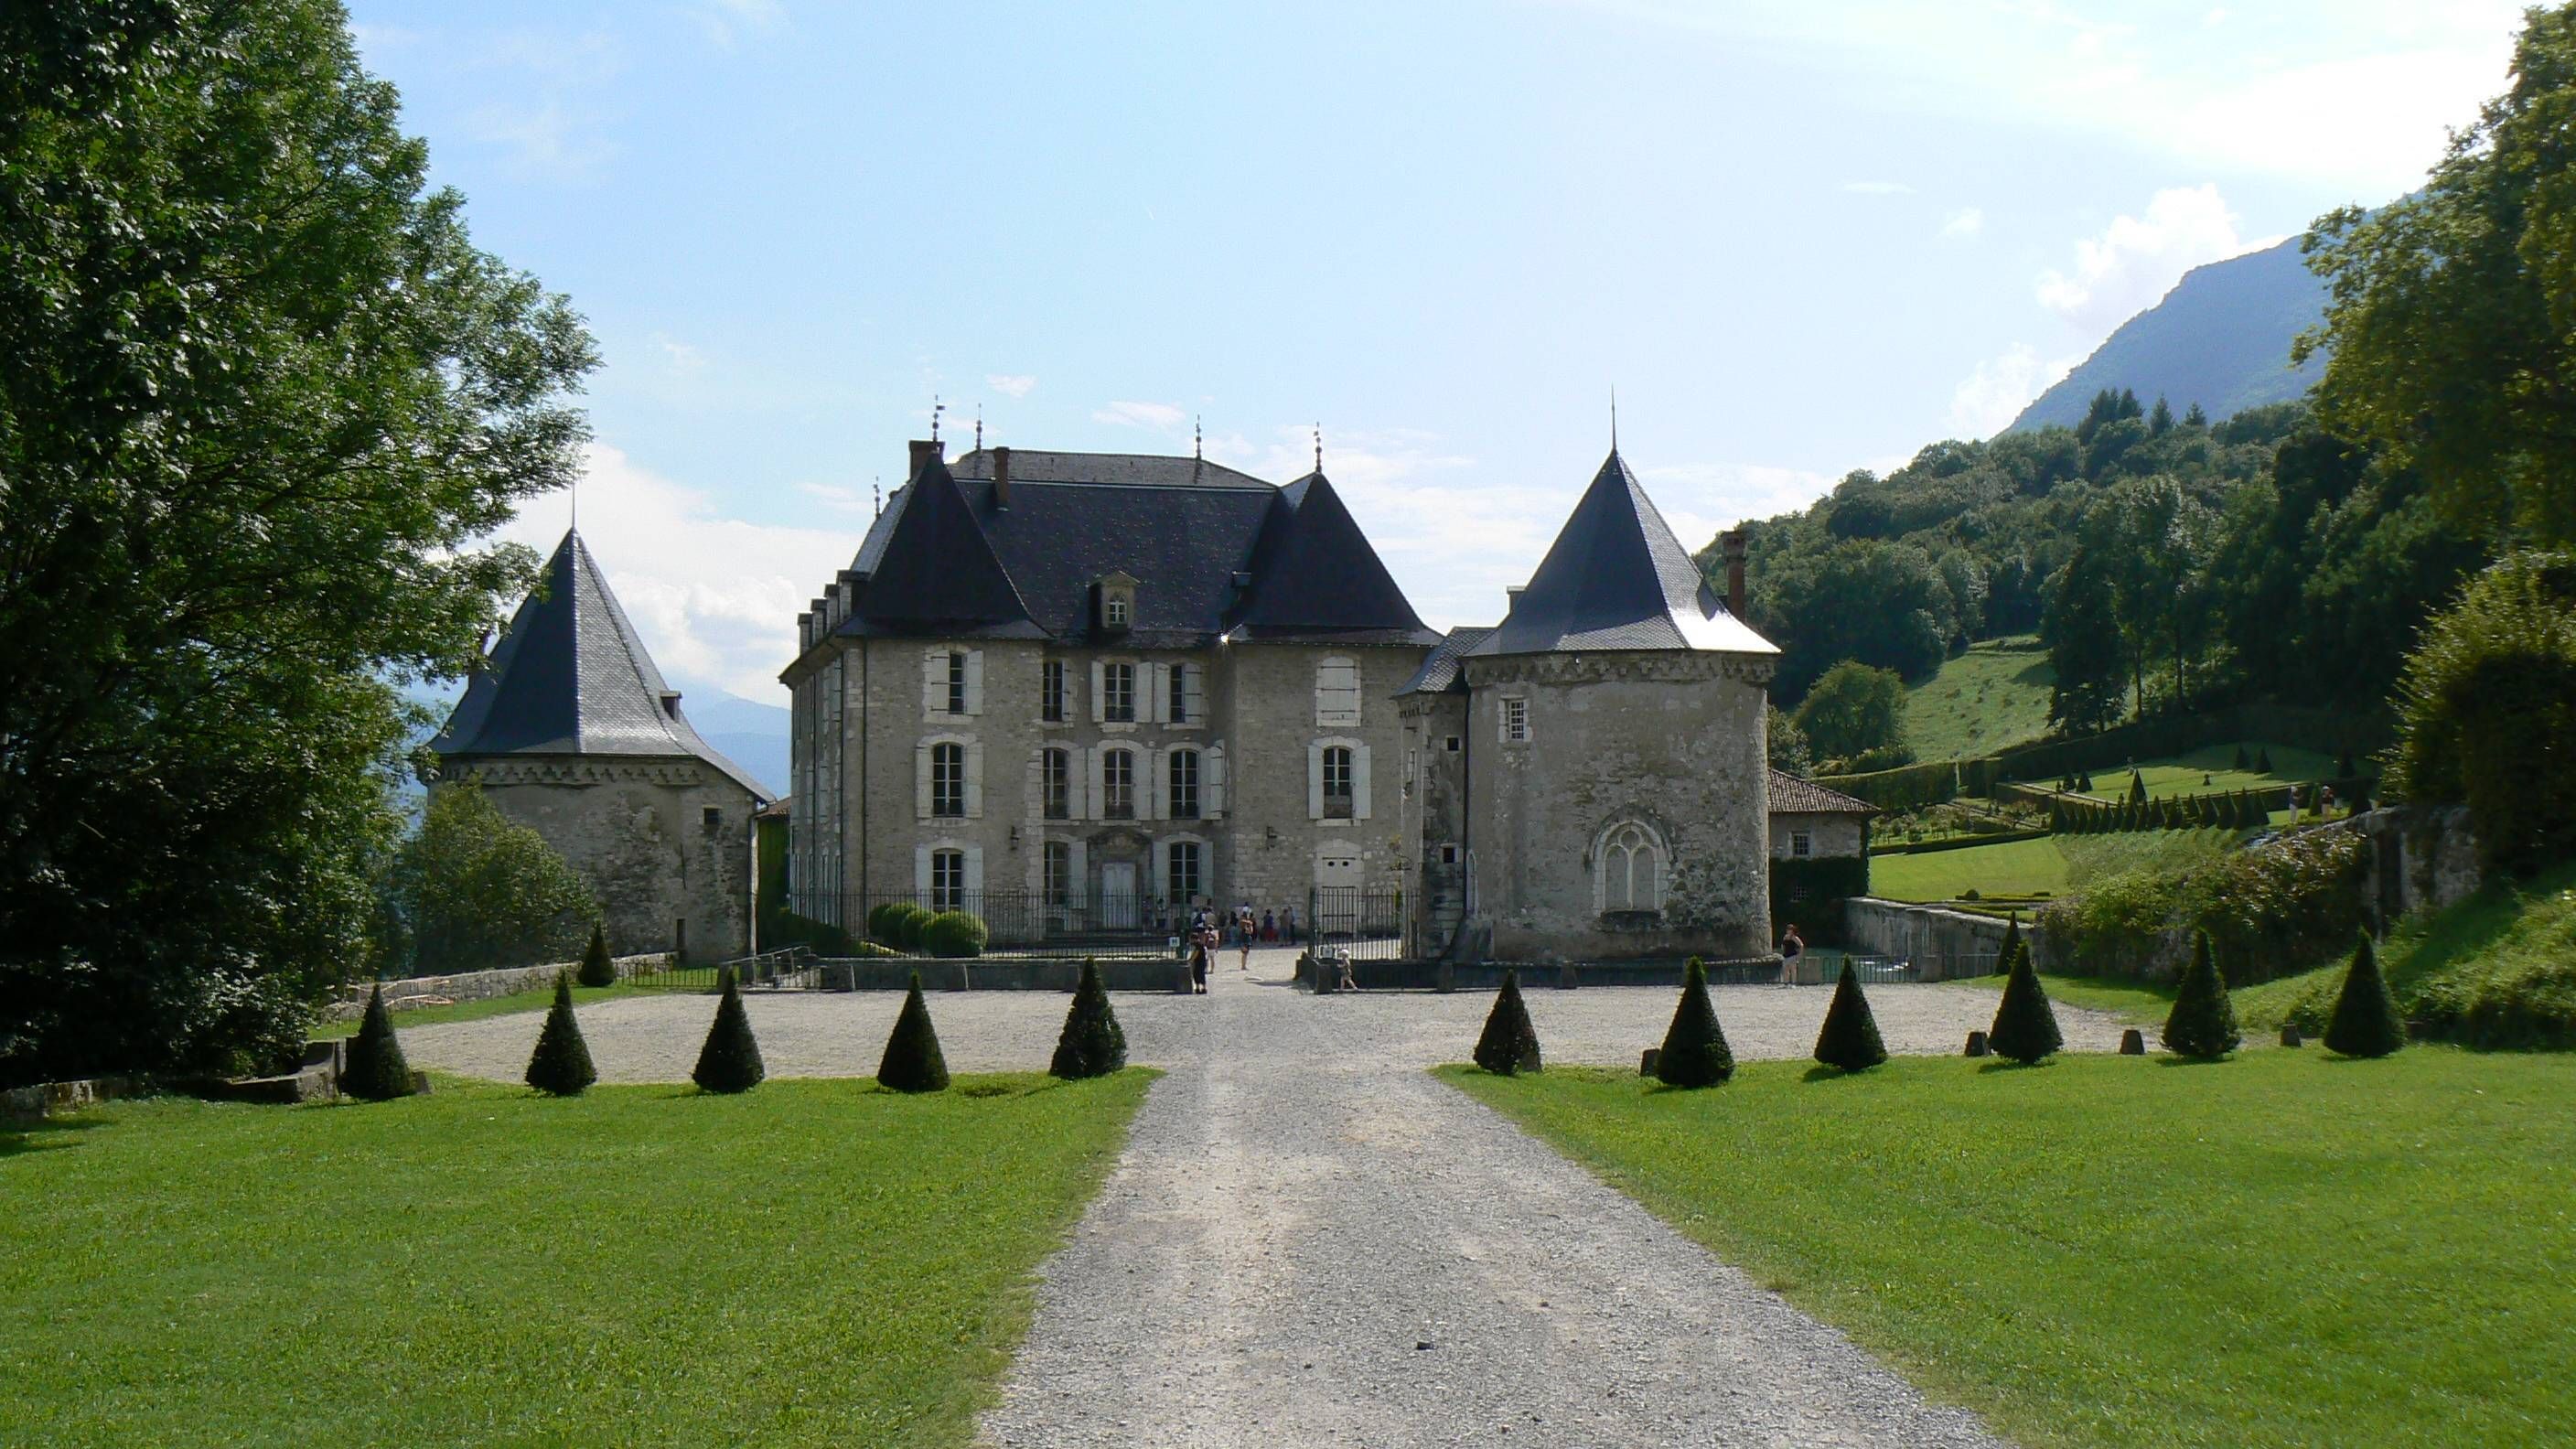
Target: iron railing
1367, 923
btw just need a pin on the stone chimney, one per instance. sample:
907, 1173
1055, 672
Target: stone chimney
1001, 477
1732, 545
925, 451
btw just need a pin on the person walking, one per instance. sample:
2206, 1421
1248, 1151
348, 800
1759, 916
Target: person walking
1243, 929
1791, 948
1202, 941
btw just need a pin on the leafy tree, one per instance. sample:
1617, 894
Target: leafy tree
912, 1060
1695, 1053
1789, 750
1849, 1038
2161, 420
597, 967
2025, 1028
2202, 1022
2365, 1021
2448, 319
262, 399
1509, 1043
729, 1061
560, 1066
374, 1069
476, 892
2082, 634
1852, 709
1092, 1044
2195, 418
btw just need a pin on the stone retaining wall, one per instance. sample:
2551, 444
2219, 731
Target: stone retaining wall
1435, 975
34, 1104
1874, 927
894, 973
421, 991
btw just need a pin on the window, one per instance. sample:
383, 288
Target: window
1058, 879
1450, 744
1631, 862
956, 683
1051, 691
1448, 855
1183, 777
1116, 611
1337, 692
1118, 693
948, 880
1187, 693
1183, 871
1337, 782
948, 780
1055, 784
1118, 785
1516, 721
712, 817
1799, 845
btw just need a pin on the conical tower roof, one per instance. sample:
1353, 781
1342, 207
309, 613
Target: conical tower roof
1314, 572
1617, 578
571, 678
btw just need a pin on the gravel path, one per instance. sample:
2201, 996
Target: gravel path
1311, 1241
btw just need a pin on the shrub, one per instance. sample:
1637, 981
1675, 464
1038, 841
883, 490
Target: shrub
2084, 783
2242, 761
912, 1061
2365, 1021
597, 969
1092, 1045
2012, 944
2263, 762
1509, 1043
2137, 788
897, 924
2025, 1028
791, 929
1695, 1053
560, 1066
2286, 906
953, 934
1849, 1039
2202, 1023
375, 1070
730, 1060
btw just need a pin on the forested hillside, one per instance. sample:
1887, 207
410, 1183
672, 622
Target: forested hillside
2161, 560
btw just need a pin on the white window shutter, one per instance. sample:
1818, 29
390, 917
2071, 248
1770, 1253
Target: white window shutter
934, 681
1099, 791
1158, 860
921, 780
1158, 780
975, 783
1359, 782
1077, 884
1160, 711
1193, 680
1322, 712
1098, 695
974, 874
1212, 787
974, 681
921, 867
1315, 781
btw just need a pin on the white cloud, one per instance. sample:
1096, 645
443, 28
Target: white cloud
679, 357
1701, 500
726, 22
715, 598
1967, 221
2137, 259
546, 139
1993, 395
1878, 188
1140, 415
1010, 384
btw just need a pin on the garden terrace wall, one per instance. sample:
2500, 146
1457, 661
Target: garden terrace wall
1874, 927
418, 991
984, 973
1432, 975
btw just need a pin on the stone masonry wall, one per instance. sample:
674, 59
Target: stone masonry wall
639, 832
414, 992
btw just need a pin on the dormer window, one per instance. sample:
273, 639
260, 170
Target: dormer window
1117, 593
1114, 612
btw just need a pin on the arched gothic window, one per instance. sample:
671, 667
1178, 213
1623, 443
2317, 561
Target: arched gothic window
1628, 865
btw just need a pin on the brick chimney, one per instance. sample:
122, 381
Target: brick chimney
1732, 545
1001, 477
925, 451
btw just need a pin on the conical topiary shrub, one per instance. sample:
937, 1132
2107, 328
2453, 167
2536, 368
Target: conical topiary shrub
1695, 1053
561, 1064
2025, 1026
1092, 1044
2365, 1021
374, 1070
730, 1061
2012, 943
1850, 1036
912, 1062
596, 967
2202, 1023
1510, 1043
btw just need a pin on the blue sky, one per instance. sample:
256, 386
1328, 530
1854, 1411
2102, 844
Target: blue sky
1796, 238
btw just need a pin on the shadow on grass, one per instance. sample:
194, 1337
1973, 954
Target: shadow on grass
51, 1133
2173, 1059
2007, 1064
1822, 1073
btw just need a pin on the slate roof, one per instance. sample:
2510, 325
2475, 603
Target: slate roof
1793, 796
1216, 553
1617, 578
571, 678
1440, 672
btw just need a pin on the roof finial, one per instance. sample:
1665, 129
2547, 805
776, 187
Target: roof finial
876, 496
979, 427
1614, 417
576, 504
1319, 447
1198, 439
936, 408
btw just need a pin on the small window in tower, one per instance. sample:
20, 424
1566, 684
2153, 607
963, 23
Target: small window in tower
713, 817
1516, 729
1448, 855
1799, 845
1450, 744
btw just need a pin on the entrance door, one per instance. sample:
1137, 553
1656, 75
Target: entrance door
1118, 895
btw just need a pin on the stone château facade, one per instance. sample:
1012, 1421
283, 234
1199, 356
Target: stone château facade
570, 729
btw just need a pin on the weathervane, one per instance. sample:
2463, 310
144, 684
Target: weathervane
876, 496
979, 427
1614, 417
1198, 438
1319, 447
936, 408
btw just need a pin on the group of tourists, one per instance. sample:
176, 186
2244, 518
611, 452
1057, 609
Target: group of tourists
1208, 931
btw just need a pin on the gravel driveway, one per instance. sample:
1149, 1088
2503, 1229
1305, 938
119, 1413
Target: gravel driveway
1311, 1241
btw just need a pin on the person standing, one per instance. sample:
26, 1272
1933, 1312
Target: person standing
1791, 948
1269, 928
1243, 929
1202, 941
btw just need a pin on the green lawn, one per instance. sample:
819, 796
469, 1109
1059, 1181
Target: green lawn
535, 1000
2141, 1003
1993, 696
817, 1262
2183, 774
2280, 1249
2010, 868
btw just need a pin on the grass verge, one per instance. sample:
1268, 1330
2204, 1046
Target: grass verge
2010, 868
2280, 1249
2140, 1003
815, 1262
535, 999
1977, 703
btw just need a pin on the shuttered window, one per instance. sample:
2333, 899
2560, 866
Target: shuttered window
1118, 784
948, 780
1182, 778
1118, 693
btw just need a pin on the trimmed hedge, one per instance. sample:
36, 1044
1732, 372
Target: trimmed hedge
954, 934
897, 924
560, 1066
1815, 890
2272, 911
374, 1070
1509, 1043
